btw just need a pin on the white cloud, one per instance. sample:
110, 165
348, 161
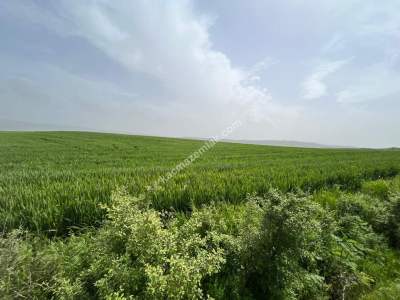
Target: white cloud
336, 43
261, 66
314, 86
175, 81
370, 84
168, 41
380, 18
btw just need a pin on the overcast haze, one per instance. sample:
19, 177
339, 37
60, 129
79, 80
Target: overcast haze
317, 71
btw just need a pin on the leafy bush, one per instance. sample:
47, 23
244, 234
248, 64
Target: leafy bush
377, 188
140, 253
382, 215
370, 209
306, 252
279, 246
327, 198
389, 292
393, 231
136, 253
25, 272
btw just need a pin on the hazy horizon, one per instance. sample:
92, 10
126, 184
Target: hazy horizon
15, 126
311, 71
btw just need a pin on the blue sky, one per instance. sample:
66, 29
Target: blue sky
320, 71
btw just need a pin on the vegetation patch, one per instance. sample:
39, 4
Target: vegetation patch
243, 222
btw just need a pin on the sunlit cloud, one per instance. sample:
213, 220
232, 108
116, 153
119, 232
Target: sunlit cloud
314, 86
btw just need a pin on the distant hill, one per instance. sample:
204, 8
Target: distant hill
285, 143
14, 125
281, 143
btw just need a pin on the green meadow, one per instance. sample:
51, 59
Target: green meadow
55, 180
241, 222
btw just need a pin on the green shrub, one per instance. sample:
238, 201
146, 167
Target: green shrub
356, 244
377, 188
140, 253
393, 231
388, 292
136, 253
279, 246
283, 261
394, 184
370, 209
327, 198
306, 252
26, 272
382, 215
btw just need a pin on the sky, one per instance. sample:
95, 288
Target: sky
305, 70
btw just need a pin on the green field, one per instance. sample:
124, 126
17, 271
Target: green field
241, 222
55, 180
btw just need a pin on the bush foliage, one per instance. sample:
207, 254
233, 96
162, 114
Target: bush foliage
278, 246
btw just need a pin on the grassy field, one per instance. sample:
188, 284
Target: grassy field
241, 222
52, 181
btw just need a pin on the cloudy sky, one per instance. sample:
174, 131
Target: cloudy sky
306, 70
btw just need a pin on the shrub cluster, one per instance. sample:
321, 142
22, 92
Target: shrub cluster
278, 246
